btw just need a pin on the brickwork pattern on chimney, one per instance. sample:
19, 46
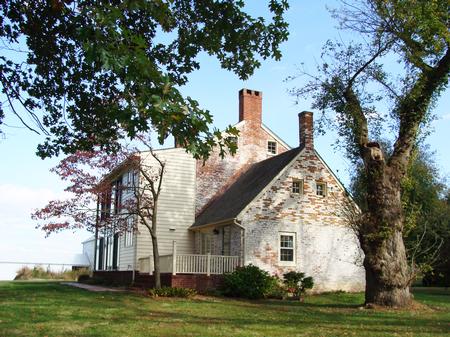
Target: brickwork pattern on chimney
306, 129
250, 106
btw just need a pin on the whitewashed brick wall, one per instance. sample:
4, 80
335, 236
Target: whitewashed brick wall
326, 248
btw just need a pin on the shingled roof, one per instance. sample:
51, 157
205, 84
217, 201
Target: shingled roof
245, 189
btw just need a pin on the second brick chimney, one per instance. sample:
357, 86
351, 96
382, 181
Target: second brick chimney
306, 129
250, 105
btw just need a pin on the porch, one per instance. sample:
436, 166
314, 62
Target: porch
203, 264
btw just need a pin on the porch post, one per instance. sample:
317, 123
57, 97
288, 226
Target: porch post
208, 264
242, 255
174, 257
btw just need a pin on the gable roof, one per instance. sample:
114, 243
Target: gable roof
245, 189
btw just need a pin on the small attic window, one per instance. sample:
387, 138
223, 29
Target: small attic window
321, 189
272, 147
297, 186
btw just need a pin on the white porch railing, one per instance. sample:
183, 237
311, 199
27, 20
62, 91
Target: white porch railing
206, 264
191, 263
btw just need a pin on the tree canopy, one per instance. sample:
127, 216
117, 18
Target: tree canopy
89, 73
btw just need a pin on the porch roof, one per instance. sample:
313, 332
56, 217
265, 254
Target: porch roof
229, 204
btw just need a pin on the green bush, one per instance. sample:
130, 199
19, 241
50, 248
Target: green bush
248, 282
296, 283
172, 292
277, 289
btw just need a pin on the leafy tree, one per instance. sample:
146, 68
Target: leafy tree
352, 88
94, 68
100, 202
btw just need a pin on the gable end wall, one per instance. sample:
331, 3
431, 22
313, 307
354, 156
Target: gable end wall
325, 247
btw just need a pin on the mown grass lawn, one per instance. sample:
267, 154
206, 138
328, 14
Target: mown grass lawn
30, 309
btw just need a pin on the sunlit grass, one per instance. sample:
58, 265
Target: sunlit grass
50, 309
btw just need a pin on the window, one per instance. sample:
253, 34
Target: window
321, 189
226, 240
287, 244
272, 147
117, 195
207, 244
105, 205
297, 186
129, 233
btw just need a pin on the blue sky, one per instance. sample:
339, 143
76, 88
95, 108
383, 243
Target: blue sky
26, 183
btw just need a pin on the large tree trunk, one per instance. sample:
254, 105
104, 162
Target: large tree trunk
387, 272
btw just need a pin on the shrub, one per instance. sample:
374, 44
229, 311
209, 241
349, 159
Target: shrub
23, 273
296, 283
277, 289
172, 292
248, 282
38, 272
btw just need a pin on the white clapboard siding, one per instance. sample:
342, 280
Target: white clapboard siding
126, 254
176, 208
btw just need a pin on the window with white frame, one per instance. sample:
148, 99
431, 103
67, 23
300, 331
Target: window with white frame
321, 189
287, 247
272, 147
297, 186
129, 233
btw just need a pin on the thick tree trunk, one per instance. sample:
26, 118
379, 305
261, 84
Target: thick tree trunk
381, 235
157, 271
387, 272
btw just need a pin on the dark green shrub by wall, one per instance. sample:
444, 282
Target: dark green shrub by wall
248, 282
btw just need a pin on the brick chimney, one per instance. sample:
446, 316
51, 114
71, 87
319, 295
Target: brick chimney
306, 129
250, 105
